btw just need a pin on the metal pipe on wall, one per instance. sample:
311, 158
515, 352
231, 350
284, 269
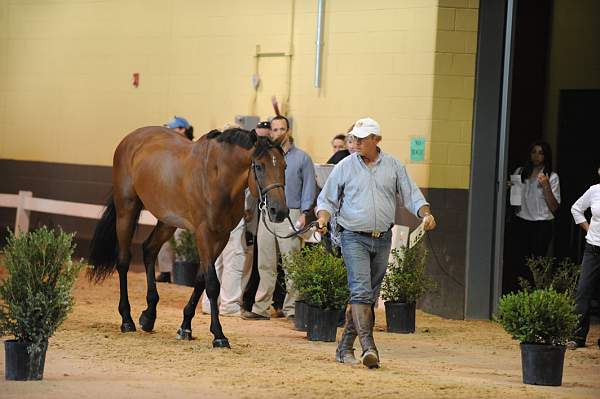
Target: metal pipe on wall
319, 43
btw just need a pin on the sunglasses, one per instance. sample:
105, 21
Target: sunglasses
264, 125
358, 140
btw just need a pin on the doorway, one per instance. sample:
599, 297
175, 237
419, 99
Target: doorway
531, 43
578, 163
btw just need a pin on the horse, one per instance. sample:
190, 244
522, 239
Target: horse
198, 186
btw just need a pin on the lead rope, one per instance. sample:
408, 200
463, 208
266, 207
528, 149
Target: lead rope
296, 232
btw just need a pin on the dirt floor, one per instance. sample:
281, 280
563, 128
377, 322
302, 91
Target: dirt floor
89, 358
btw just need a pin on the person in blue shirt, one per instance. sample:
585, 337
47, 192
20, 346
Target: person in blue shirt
166, 255
361, 190
181, 126
300, 193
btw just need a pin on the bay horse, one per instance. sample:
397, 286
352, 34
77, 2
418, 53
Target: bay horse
198, 186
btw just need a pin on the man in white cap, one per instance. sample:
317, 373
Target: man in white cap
362, 191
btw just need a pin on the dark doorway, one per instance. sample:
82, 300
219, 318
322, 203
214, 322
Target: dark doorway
578, 163
527, 107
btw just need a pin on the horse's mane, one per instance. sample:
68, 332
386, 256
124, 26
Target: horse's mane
245, 139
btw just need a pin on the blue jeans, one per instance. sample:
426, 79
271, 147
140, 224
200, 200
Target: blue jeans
366, 260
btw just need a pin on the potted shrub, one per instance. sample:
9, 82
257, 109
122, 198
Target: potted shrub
320, 278
187, 261
36, 297
542, 321
404, 283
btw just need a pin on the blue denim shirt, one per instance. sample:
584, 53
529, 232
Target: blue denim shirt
300, 181
365, 197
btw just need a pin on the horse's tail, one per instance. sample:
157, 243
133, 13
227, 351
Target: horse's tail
104, 248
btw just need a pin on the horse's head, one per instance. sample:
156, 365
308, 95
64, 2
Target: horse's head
268, 182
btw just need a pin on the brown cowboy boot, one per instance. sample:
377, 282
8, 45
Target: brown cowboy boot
363, 320
345, 351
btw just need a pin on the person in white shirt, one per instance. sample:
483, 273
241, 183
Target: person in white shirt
589, 280
540, 198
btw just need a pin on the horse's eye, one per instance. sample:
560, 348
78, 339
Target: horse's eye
259, 167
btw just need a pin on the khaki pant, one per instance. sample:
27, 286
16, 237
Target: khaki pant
267, 264
233, 268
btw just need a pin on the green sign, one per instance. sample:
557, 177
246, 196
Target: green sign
417, 149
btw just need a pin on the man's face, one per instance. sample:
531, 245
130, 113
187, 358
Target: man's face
338, 145
367, 145
278, 128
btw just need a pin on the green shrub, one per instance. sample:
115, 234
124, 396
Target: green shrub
184, 246
562, 277
405, 280
538, 317
319, 276
37, 294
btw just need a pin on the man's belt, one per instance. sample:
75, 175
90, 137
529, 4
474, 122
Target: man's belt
373, 234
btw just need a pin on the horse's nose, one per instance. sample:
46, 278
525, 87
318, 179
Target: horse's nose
282, 214
278, 214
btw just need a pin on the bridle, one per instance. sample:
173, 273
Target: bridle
262, 192
262, 205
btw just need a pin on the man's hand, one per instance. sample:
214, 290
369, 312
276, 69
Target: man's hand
323, 219
429, 222
300, 222
428, 219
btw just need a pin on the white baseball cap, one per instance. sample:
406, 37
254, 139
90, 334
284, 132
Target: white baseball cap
365, 127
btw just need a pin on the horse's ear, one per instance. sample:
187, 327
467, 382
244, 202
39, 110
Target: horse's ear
254, 136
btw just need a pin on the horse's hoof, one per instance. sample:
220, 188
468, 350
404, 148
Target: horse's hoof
127, 326
221, 343
185, 335
146, 322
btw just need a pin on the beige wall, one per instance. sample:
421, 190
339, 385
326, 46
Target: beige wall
66, 67
574, 61
3, 72
454, 80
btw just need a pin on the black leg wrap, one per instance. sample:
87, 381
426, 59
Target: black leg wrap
221, 343
147, 322
128, 326
184, 334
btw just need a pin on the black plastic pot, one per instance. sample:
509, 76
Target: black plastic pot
184, 273
321, 324
300, 316
400, 317
542, 364
20, 365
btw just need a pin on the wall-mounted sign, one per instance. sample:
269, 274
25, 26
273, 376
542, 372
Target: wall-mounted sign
417, 149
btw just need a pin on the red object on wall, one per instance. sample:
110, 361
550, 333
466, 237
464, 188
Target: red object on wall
136, 80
